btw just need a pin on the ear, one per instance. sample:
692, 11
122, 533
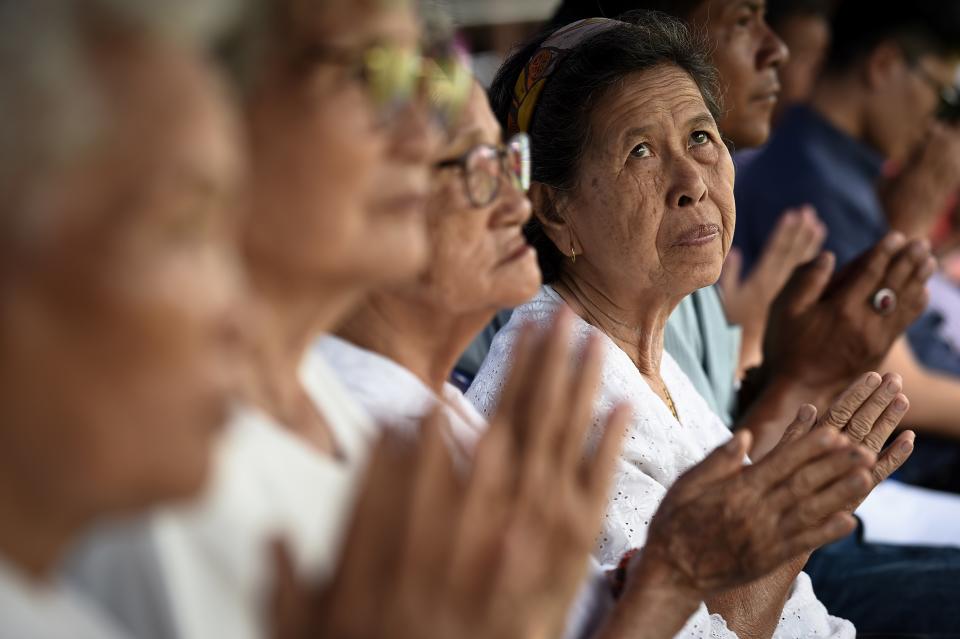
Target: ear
883, 65
546, 209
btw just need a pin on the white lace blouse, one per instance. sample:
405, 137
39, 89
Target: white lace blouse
657, 450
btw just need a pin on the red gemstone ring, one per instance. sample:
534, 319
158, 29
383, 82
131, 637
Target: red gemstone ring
884, 301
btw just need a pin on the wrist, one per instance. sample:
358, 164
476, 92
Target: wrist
660, 580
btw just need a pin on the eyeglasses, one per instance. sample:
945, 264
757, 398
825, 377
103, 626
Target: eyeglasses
948, 94
395, 77
483, 165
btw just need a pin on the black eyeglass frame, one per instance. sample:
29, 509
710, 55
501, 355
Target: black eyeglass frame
521, 181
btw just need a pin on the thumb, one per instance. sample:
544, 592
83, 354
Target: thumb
718, 465
808, 282
732, 268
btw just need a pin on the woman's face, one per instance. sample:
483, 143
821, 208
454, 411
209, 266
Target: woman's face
479, 259
119, 330
653, 205
339, 190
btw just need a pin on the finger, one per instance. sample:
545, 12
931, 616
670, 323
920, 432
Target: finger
887, 423
785, 461
732, 269
723, 462
289, 601
437, 496
802, 424
803, 541
867, 273
810, 281
894, 456
905, 264
545, 406
837, 497
862, 421
580, 413
843, 408
599, 469
823, 487
515, 386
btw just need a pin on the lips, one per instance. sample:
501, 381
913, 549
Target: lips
699, 235
768, 94
515, 249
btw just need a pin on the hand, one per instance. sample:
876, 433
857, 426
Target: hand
867, 413
723, 524
796, 240
501, 552
822, 333
916, 197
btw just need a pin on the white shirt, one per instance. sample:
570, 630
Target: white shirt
31, 610
657, 450
395, 397
213, 555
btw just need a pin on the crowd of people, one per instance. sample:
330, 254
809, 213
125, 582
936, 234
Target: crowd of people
306, 333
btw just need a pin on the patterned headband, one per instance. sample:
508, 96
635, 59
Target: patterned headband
546, 60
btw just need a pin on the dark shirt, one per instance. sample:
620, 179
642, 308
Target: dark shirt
809, 161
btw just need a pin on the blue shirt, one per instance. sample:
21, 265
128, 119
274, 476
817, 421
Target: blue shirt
809, 161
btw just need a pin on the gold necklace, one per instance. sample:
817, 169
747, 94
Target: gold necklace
669, 397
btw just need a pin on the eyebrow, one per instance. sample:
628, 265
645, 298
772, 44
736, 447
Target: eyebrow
700, 119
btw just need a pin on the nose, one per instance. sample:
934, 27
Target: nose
773, 51
687, 186
512, 207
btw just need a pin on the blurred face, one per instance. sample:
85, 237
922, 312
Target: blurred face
653, 206
117, 331
903, 100
479, 259
339, 185
747, 54
807, 37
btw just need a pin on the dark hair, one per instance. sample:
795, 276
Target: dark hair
560, 127
573, 10
779, 11
919, 27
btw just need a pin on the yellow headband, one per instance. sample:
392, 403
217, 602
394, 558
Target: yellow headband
546, 60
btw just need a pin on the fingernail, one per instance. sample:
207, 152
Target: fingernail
893, 241
806, 413
733, 446
906, 446
917, 250
873, 380
900, 403
893, 385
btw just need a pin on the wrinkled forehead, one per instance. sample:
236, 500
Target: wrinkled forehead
652, 101
476, 125
355, 22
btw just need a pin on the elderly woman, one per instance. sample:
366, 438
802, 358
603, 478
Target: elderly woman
634, 210
396, 352
120, 286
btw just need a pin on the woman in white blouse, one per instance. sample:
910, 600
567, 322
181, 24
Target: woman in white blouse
118, 158
633, 210
395, 354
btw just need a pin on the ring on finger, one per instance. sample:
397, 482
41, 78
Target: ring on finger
884, 301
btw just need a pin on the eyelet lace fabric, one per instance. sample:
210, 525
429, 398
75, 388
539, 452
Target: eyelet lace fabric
657, 450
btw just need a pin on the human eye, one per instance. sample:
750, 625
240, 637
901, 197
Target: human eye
699, 138
642, 150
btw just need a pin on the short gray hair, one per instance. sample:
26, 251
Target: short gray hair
52, 108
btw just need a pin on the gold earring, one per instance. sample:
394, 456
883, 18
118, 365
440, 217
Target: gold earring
573, 253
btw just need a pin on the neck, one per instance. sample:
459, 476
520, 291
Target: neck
838, 100
34, 535
289, 314
634, 320
425, 339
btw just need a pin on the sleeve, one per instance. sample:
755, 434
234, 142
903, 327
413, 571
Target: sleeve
635, 497
804, 615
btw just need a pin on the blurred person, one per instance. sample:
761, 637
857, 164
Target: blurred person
628, 220
121, 281
804, 26
396, 351
879, 91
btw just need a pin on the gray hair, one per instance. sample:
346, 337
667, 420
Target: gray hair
52, 108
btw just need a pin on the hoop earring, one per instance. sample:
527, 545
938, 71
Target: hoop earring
573, 253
